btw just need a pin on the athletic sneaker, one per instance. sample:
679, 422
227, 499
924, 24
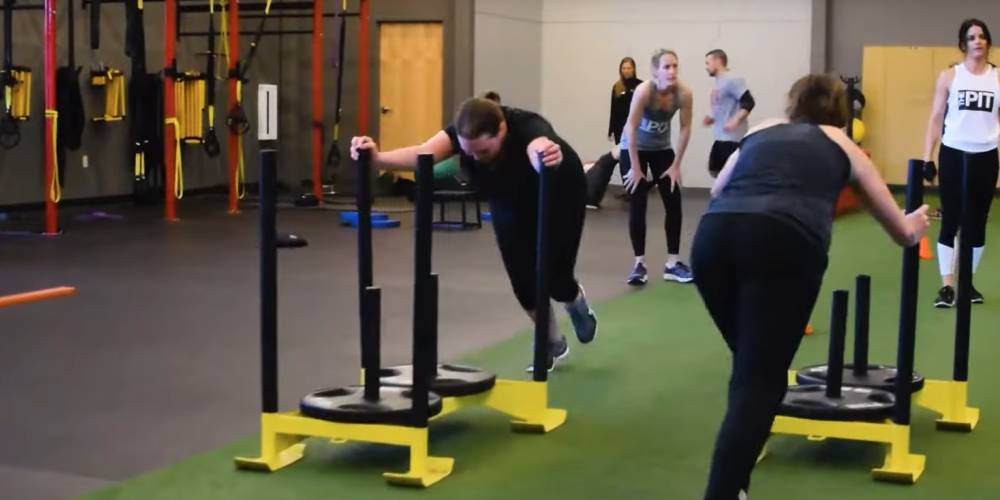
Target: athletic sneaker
638, 275
945, 297
679, 273
558, 351
974, 296
583, 318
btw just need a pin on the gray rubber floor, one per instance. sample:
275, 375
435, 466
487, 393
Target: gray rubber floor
157, 357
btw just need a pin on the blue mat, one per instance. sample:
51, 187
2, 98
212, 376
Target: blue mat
379, 220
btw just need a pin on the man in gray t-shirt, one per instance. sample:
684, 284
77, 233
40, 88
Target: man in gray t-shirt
731, 103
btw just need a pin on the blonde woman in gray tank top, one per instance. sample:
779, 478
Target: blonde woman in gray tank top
648, 158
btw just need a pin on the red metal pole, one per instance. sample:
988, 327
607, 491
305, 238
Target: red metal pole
234, 100
363, 67
317, 99
169, 107
49, 148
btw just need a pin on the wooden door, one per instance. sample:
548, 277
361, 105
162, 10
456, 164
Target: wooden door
411, 83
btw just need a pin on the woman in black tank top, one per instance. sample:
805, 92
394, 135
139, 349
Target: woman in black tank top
767, 231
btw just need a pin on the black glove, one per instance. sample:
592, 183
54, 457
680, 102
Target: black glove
930, 171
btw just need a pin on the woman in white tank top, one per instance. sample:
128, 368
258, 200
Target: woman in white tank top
965, 117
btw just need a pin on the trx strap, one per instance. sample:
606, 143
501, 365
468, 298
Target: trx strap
333, 157
145, 107
139, 165
10, 133
146, 133
95, 24
135, 36
239, 177
241, 172
69, 103
237, 120
210, 140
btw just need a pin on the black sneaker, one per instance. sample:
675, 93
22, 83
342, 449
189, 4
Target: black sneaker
945, 297
558, 351
974, 296
638, 275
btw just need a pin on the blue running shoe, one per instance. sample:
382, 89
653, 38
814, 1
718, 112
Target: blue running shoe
679, 273
638, 275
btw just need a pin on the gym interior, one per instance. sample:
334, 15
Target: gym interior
208, 290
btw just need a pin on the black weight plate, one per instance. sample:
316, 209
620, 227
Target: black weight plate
451, 380
855, 403
878, 377
348, 405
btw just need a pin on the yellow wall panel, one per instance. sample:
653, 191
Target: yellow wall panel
873, 86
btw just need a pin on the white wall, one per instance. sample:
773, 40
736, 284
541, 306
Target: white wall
768, 42
508, 55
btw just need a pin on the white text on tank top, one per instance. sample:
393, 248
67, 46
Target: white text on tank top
653, 132
971, 121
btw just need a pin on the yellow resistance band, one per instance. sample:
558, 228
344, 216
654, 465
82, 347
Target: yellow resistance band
19, 95
55, 190
178, 163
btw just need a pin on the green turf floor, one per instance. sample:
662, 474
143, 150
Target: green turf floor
644, 404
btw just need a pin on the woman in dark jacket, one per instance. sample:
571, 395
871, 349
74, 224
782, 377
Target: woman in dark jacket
761, 251
621, 98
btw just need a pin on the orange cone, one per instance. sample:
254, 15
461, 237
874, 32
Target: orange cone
809, 330
925, 249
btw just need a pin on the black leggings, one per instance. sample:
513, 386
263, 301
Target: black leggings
657, 162
515, 225
759, 278
983, 170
